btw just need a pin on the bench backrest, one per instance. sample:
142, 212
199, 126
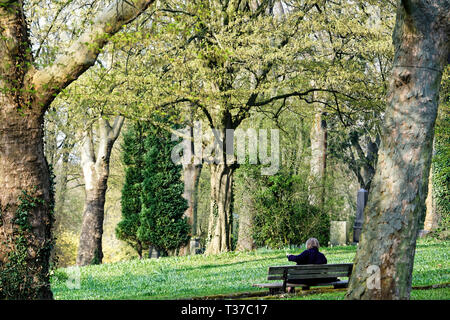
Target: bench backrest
310, 271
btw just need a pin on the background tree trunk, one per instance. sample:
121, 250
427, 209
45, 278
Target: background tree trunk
247, 214
431, 216
318, 159
191, 177
96, 174
220, 219
364, 167
60, 199
384, 260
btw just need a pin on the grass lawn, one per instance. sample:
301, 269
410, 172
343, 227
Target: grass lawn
227, 273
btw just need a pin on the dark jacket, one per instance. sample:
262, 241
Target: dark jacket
310, 256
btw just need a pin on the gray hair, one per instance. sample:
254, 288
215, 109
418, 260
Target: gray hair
311, 243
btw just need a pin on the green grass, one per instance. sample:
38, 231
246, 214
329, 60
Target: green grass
227, 273
431, 294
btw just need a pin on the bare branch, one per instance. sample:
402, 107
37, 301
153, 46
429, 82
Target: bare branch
295, 94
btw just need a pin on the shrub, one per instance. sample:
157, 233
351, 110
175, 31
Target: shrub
283, 218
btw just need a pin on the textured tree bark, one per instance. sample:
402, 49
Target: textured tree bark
90, 245
60, 199
431, 216
368, 171
96, 174
364, 167
318, 159
246, 218
385, 257
222, 165
220, 220
191, 176
23, 169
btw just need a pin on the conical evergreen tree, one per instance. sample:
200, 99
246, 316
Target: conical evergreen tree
133, 158
161, 221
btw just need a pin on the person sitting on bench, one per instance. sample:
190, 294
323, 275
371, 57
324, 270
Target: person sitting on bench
310, 256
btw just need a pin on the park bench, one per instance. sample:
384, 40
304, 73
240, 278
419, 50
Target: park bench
309, 272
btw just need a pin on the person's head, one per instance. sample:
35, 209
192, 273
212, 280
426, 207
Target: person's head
312, 243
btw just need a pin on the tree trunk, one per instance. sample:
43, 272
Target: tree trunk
222, 165
431, 216
25, 197
191, 176
220, 219
90, 247
384, 260
139, 249
244, 197
301, 147
318, 160
364, 166
23, 168
61, 192
246, 217
96, 174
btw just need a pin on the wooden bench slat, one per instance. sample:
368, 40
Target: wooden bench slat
336, 284
316, 276
310, 276
306, 266
324, 267
329, 265
318, 271
268, 285
280, 284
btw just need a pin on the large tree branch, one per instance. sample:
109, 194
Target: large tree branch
81, 55
356, 169
116, 127
354, 139
87, 147
295, 94
108, 135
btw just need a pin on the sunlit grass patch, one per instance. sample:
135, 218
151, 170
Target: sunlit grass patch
226, 273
